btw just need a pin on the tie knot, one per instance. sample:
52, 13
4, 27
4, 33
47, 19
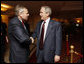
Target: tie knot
23, 23
44, 22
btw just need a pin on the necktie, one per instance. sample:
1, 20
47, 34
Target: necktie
22, 23
42, 37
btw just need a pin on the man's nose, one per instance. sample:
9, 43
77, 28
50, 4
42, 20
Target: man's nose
28, 14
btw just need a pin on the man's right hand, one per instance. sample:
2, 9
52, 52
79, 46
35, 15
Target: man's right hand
32, 39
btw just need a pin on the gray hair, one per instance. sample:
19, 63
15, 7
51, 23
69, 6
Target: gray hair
47, 9
19, 9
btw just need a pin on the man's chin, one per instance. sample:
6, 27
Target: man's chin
25, 19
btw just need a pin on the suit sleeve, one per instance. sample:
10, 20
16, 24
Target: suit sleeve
58, 39
19, 33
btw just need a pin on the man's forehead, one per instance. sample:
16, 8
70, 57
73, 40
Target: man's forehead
26, 10
42, 9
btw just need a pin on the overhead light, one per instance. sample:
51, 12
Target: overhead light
78, 21
5, 7
77, 25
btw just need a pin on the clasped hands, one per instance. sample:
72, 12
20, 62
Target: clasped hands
32, 39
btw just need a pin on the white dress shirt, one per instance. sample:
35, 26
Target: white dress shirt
45, 27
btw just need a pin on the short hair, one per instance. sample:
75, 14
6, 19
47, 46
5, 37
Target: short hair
18, 9
47, 9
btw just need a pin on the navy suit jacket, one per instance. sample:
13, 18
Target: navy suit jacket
52, 42
19, 41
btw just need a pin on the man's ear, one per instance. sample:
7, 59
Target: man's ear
20, 14
47, 14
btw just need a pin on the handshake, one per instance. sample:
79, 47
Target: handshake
32, 39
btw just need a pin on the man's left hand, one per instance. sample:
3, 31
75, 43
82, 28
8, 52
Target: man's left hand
56, 58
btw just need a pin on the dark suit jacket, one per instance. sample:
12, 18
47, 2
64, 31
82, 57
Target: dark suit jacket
53, 39
19, 41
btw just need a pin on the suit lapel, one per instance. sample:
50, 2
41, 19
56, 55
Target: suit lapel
23, 26
48, 28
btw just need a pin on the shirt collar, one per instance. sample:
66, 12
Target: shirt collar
47, 20
20, 19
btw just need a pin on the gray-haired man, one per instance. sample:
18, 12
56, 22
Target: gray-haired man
18, 36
